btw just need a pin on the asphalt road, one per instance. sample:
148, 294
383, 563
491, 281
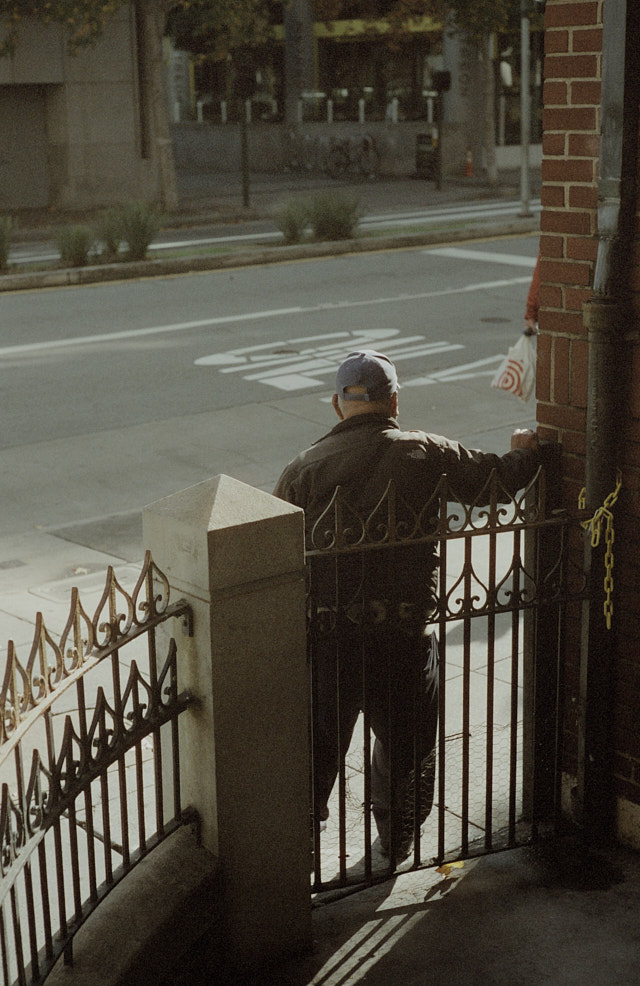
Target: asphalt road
115, 395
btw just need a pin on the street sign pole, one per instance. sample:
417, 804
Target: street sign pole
525, 109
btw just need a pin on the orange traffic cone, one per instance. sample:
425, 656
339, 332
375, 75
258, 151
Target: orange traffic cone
469, 168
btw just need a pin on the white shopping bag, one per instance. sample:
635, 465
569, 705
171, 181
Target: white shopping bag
517, 372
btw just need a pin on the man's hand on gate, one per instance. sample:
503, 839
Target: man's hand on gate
524, 438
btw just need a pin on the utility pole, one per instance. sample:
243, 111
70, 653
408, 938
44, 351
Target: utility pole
525, 109
300, 68
245, 84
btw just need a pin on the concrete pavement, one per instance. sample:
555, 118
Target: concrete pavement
218, 197
221, 194
550, 915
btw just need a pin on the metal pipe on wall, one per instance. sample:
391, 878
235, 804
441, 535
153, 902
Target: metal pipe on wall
607, 319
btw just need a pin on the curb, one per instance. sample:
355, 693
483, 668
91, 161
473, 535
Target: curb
103, 273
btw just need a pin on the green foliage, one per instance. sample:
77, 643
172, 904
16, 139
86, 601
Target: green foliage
475, 17
136, 223
291, 219
331, 216
334, 215
479, 18
74, 244
84, 20
6, 231
110, 232
140, 223
213, 28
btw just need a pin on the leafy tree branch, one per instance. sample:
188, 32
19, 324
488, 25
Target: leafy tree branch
83, 20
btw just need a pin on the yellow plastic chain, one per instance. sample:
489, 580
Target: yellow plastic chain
595, 523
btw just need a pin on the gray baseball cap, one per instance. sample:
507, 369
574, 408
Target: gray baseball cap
369, 369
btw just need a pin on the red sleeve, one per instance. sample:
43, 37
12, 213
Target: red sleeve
533, 301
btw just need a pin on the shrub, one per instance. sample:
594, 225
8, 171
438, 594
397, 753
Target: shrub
334, 215
291, 219
110, 232
5, 241
74, 244
140, 224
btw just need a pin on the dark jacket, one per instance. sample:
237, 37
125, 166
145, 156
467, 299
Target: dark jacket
360, 455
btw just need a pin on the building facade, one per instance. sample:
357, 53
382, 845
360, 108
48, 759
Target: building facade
78, 129
588, 386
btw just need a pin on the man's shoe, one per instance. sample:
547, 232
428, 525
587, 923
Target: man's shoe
402, 852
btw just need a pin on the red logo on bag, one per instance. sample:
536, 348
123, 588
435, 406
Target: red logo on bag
512, 377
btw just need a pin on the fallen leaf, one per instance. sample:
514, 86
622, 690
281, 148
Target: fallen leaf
446, 868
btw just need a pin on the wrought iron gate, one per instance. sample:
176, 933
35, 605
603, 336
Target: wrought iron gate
498, 618
89, 766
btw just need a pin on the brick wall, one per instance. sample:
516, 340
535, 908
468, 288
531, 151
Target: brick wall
569, 244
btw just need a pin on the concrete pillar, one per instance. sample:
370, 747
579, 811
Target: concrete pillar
237, 555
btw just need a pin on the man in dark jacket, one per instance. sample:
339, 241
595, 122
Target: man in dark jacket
363, 484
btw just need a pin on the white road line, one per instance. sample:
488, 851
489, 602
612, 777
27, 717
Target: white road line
305, 340
459, 253
412, 346
326, 364
54, 344
290, 369
281, 351
290, 355
495, 205
464, 371
137, 333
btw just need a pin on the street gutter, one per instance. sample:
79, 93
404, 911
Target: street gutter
259, 255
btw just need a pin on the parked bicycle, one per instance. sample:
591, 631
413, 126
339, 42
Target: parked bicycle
306, 153
361, 154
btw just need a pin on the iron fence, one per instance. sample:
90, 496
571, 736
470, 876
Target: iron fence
498, 591
89, 765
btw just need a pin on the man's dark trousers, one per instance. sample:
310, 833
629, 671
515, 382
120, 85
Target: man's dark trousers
389, 670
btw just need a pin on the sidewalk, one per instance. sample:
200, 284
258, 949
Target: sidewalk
218, 197
553, 915
222, 193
